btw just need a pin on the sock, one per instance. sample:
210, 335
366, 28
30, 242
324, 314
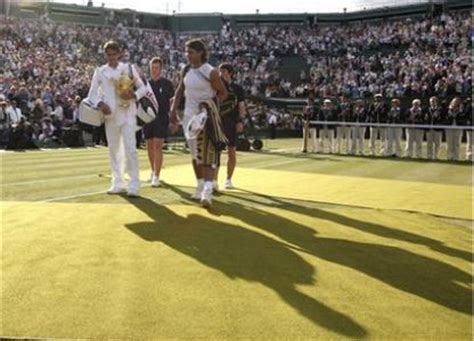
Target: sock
200, 183
208, 186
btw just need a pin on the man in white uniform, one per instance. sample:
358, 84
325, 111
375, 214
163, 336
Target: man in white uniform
199, 83
120, 117
394, 134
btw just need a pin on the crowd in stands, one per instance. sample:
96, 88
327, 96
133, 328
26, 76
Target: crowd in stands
46, 67
342, 127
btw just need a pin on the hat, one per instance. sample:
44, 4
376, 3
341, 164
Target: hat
378, 96
327, 101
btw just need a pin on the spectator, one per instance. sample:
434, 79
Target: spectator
326, 132
414, 135
358, 132
453, 136
272, 122
434, 115
468, 122
14, 113
395, 116
377, 114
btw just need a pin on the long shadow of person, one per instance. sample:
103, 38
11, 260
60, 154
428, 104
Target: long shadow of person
241, 253
415, 274
365, 226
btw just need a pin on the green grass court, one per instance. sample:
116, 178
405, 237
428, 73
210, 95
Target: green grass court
308, 247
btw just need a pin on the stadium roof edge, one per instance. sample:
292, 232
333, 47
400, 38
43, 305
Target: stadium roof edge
189, 22
454, 3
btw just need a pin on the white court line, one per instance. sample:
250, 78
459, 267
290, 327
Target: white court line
50, 150
47, 180
262, 163
72, 196
265, 164
83, 195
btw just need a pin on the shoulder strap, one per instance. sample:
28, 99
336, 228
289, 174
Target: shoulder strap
186, 69
184, 72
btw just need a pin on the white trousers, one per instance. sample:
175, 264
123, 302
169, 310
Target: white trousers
312, 139
358, 136
326, 135
380, 133
470, 143
414, 137
123, 150
433, 141
453, 139
394, 142
343, 132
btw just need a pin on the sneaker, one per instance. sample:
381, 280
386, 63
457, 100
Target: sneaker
198, 193
155, 181
115, 190
206, 198
133, 193
228, 184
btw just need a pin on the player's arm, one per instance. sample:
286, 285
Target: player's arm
178, 97
218, 85
242, 114
94, 96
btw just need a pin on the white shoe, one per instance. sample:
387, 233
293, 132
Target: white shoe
133, 193
228, 184
155, 181
115, 190
197, 195
206, 198
150, 179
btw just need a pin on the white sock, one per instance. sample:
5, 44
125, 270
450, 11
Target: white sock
208, 186
200, 183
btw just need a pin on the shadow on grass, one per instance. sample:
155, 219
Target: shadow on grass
419, 275
244, 254
427, 278
361, 225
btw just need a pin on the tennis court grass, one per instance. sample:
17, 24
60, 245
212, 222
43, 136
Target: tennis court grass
308, 246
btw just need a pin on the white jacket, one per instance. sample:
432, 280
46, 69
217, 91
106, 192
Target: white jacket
103, 90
